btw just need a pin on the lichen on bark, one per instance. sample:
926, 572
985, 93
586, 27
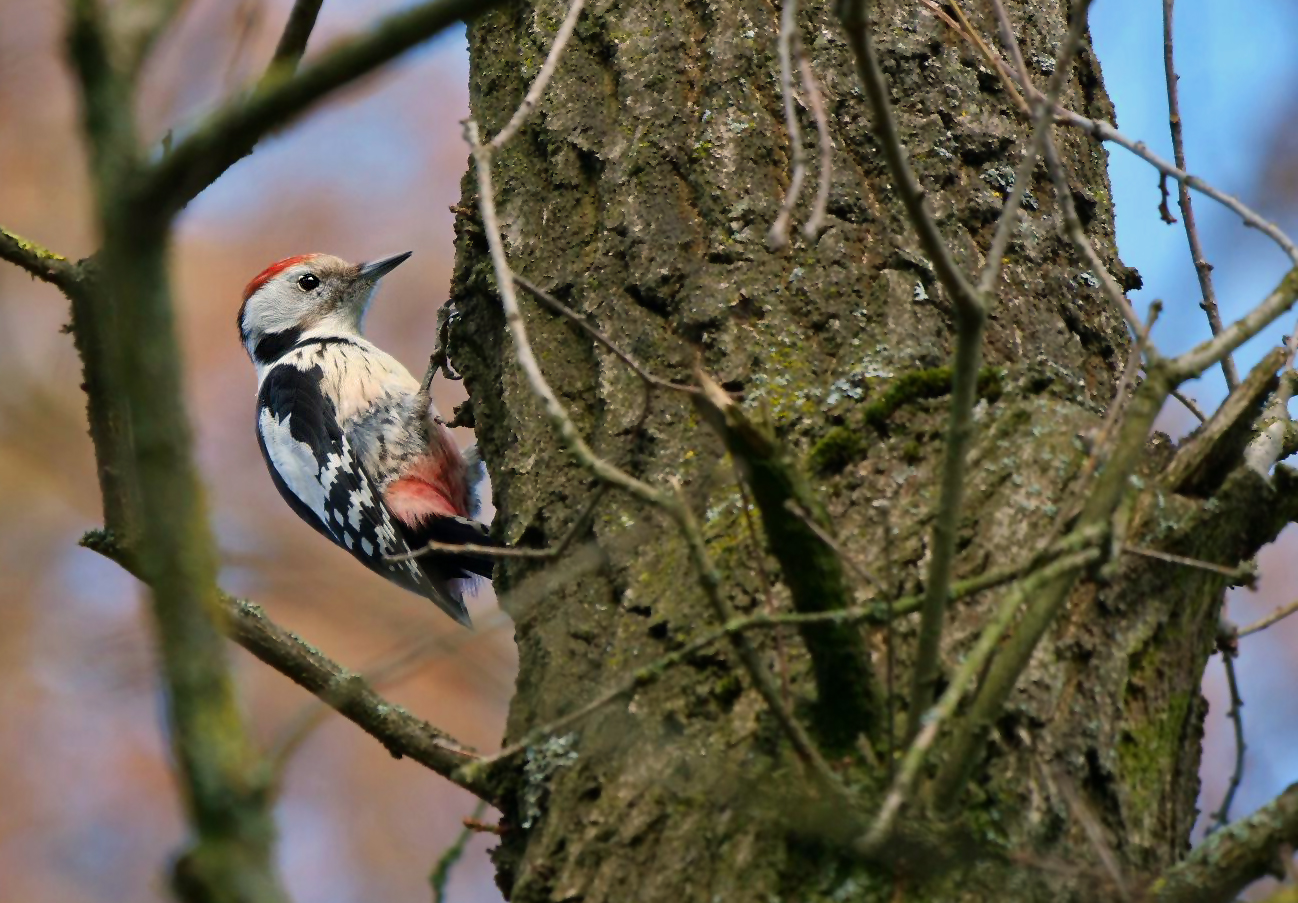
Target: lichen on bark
641, 194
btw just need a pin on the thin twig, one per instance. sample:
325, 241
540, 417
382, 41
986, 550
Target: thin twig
1189, 404
787, 45
970, 317
542, 79
816, 222
848, 559
1205, 354
395, 669
554, 409
1201, 265
1100, 446
1041, 120
1227, 646
1236, 573
1276, 616
448, 548
1105, 131
970, 667
1077, 232
601, 337
856, 22
247, 624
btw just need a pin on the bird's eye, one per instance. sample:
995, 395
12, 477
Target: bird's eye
308, 282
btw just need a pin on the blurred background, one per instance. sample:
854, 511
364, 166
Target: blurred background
89, 809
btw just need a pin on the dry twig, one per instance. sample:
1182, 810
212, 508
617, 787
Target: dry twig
1201, 265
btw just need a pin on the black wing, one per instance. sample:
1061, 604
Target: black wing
315, 470
454, 531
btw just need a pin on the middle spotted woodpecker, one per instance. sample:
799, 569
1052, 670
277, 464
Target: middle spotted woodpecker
352, 440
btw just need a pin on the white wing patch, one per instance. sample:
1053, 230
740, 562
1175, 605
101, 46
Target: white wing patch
298, 467
296, 463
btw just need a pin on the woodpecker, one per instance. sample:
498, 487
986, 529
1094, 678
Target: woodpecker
353, 442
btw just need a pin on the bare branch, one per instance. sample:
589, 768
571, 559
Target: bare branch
1105, 131
396, 668
1189, 404
1244, 573
1209, 442
1201, 265
137, 367
230, 133
554, 409
787, 46
401, 733
599, 336
1204, 355
970, 319
1227, 645
970, 667
824, 178
1277, 435
1276, 616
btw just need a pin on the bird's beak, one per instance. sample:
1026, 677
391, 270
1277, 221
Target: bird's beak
373, 272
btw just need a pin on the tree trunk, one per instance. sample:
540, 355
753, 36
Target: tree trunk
641, 193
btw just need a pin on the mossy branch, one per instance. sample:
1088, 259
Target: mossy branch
400, 732
848, 700
136, 365
1229, 860
40, 262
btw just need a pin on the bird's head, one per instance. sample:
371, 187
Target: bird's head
316, 294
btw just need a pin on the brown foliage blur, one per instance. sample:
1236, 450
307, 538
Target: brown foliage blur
90, 810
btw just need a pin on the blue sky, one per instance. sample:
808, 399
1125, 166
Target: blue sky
1235, 71
1238, 78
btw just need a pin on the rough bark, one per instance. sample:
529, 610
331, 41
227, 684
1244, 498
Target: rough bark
641, 194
